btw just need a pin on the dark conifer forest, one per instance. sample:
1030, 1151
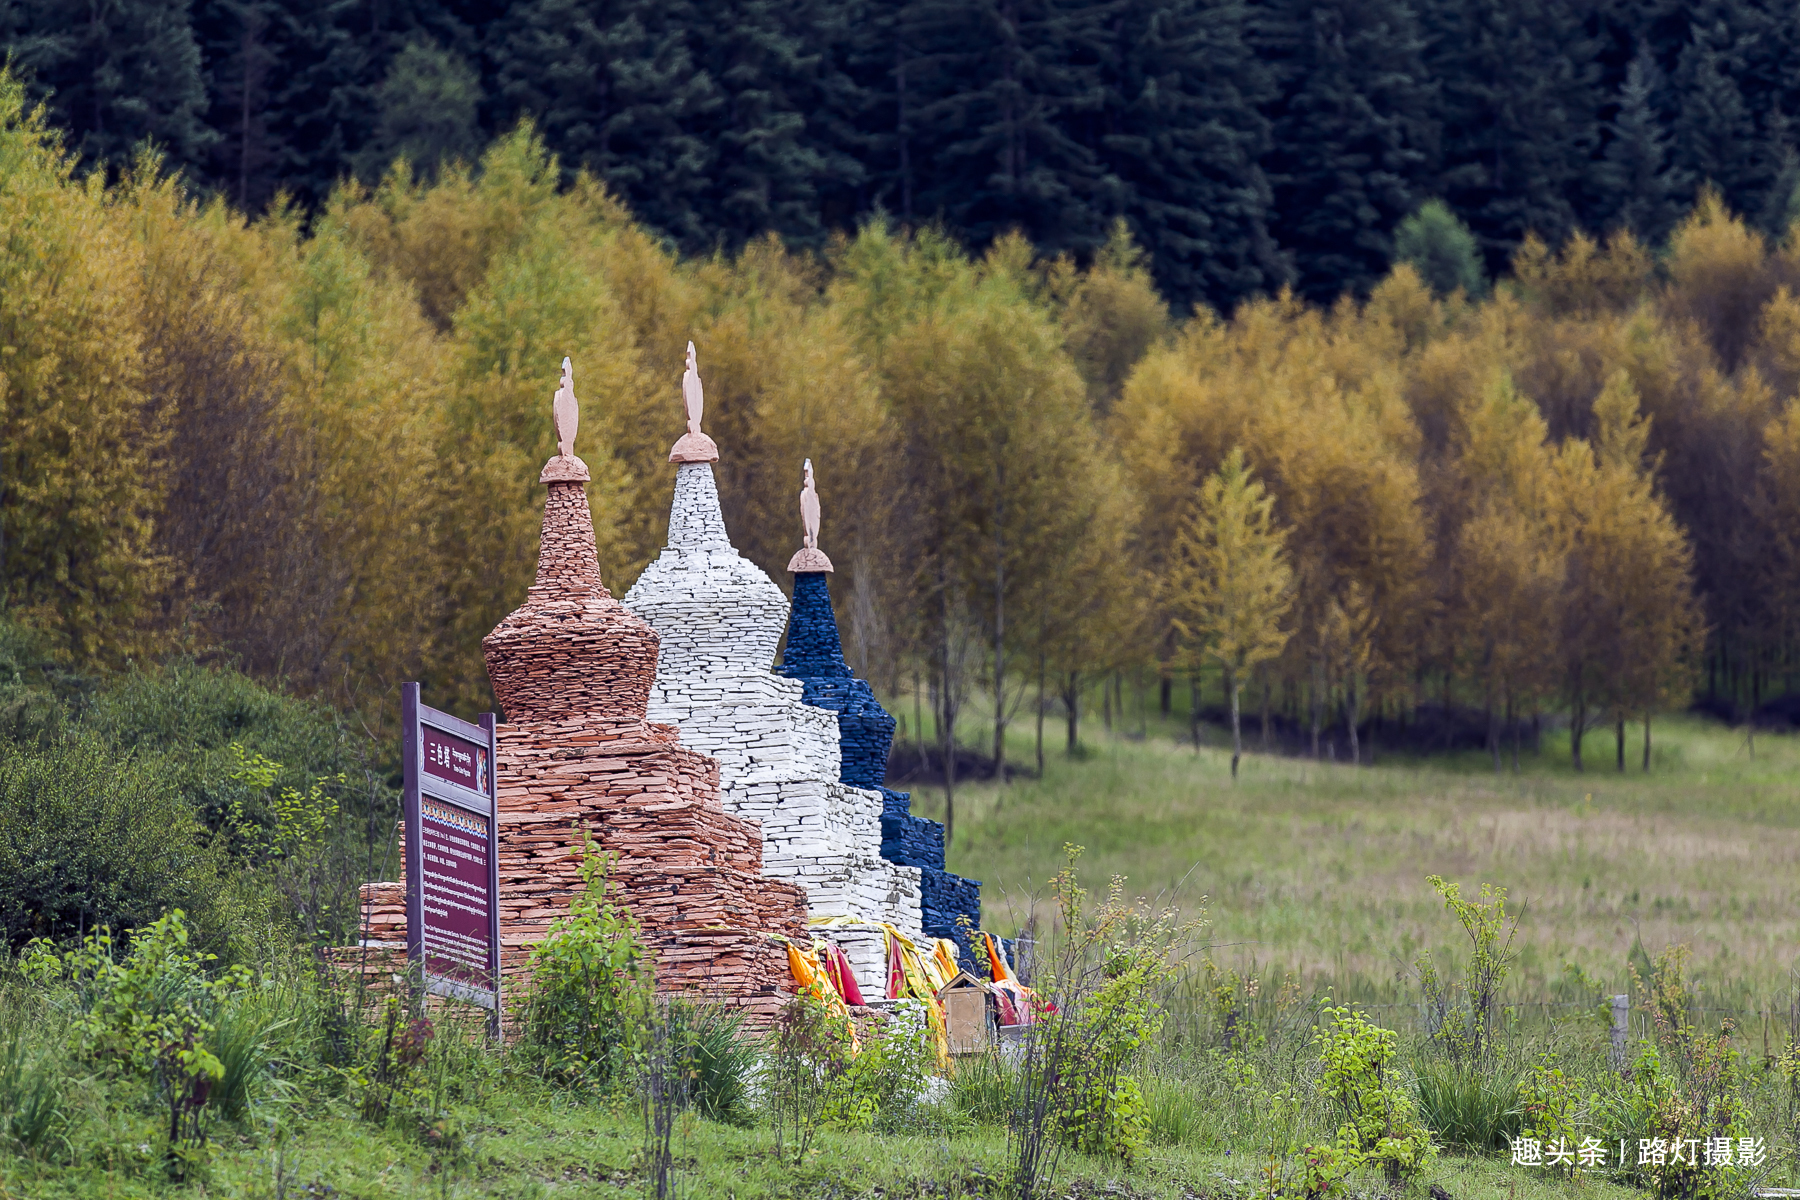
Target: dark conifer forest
1247, 144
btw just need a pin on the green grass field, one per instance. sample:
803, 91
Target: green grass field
1319, 869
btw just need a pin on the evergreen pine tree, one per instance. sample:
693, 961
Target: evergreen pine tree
1521, 114
1781, 200
768, 60
294, 87
615, 87
1715, 137
1441, 249
1648, 193
429, 112
116, 74
1353, 137
994, 86
1180, 140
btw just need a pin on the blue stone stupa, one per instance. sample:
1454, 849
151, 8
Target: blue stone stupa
814, 656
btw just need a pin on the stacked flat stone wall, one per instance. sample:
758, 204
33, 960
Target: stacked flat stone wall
573, 672
814, 656
720, 619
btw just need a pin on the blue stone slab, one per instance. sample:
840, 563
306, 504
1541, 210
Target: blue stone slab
815, 657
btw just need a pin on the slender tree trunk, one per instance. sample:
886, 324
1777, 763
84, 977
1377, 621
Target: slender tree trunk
1166, 694
1106, 704
1237, 734
1577, 726
1646, 739
1194, 708
1000, 626
918, 716
1265, 710
1353, 711
903, 130
1619, 742
1318, 706
1072, 710
1512, 718
1493, 734
947, 725
1040, 717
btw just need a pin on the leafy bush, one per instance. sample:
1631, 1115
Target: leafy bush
1461, 1016
885, 1081
150, 1016
590, 986
1378, 1121
1103, 1008
1553, 1108
1658, 1103
809, 1055
93, 837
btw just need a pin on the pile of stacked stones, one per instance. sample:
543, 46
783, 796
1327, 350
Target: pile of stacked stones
573, 671
608, 731
721, 618
814, 655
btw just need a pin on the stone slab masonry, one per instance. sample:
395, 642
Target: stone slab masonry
573, 671
814, 656
720, 620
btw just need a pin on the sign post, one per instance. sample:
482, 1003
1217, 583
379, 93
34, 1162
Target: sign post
452, 853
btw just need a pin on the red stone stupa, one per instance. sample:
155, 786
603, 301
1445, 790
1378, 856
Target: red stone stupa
572, 670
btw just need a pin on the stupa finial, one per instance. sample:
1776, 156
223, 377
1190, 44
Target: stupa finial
693, 446
565, 417
809, 557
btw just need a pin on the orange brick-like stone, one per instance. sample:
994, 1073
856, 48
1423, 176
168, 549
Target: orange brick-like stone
572, 670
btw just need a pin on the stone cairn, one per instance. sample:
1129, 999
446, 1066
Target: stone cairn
720, 618
572, 670
815, 657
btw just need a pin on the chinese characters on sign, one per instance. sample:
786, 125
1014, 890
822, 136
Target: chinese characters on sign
1591, 1152
453, 928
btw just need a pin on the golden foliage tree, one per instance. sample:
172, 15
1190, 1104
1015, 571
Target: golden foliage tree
1229, 586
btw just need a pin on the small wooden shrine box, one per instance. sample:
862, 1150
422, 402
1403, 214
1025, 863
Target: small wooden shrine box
965, 1001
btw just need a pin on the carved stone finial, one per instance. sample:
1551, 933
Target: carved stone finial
809, 557
565, 415
693, 446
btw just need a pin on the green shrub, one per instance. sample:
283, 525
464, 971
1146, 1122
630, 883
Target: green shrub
193, 716
884, 1082
590, 987
151, 1017
1378, 1121
1659, 1103
1554, 1110
1469, 1108
809, 1053
93, 837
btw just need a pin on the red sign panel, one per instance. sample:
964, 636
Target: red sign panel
455, 901
452, 880
455, 760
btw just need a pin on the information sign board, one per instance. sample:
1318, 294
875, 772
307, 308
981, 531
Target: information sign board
452, 843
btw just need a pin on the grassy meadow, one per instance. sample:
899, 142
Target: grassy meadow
1318, 869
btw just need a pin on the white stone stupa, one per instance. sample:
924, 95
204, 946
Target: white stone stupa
720, 618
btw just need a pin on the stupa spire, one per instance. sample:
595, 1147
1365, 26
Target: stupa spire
693, 446
570, 647
809, 557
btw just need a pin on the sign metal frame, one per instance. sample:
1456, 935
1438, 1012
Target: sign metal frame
482, 800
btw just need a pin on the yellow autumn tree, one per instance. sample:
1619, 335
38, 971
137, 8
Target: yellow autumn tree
1230, 585
82, 477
